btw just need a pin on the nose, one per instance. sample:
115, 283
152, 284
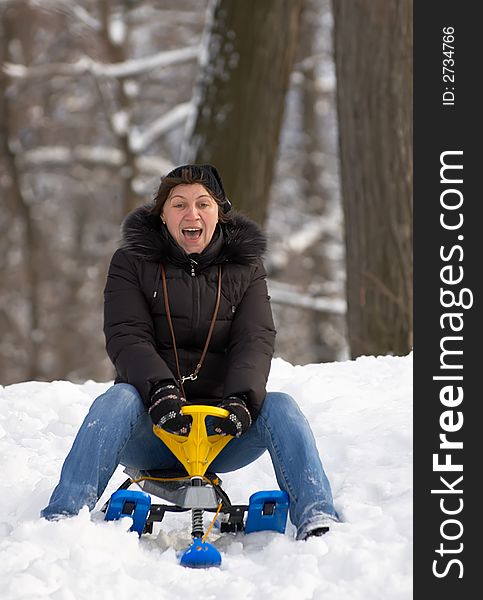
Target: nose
192, 212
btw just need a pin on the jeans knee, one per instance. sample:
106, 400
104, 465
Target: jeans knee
121, 399
279, 404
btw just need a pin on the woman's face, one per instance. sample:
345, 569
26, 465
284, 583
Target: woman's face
191, 215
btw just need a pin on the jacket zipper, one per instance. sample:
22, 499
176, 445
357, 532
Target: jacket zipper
156, 283
196, 300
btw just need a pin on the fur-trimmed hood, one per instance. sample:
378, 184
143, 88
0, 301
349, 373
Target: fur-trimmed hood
240, 240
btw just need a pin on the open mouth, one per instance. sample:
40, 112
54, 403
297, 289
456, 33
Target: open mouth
192, 233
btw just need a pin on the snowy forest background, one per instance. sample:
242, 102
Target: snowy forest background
303, 105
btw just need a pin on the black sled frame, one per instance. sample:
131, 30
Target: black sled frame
172, 485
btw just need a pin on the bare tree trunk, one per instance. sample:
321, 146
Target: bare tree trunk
241, 93
118, 53
373, 42
22, 210
313, 191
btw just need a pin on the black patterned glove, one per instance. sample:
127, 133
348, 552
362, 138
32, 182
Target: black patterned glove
237, 422
165, 408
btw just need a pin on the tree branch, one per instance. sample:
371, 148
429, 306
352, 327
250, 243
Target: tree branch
85, 64
102, 156
139, 141
287, 294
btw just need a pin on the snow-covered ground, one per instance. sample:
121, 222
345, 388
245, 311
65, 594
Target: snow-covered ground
361, 414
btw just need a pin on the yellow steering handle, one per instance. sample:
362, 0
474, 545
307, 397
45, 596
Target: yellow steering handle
197, 450
204, 410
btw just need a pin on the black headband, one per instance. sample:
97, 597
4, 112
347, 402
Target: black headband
210, 178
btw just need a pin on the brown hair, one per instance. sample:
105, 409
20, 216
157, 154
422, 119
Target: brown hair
187, 175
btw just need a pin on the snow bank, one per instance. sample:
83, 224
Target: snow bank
361, 414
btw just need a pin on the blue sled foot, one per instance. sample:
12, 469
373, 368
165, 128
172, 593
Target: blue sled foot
200, 555
129, 503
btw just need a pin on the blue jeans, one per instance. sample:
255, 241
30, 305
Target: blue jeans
117, 430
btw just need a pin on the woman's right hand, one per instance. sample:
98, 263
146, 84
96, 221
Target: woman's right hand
165, 408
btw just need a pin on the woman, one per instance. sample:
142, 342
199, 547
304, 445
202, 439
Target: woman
187, 318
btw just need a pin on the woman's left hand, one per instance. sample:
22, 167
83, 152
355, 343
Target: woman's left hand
237, 422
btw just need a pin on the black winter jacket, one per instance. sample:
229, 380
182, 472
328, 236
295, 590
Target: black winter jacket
138, 339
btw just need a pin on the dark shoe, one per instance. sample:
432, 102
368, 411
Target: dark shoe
316, 532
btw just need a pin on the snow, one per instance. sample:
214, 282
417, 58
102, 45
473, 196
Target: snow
361, 415
117, 30
120, 122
